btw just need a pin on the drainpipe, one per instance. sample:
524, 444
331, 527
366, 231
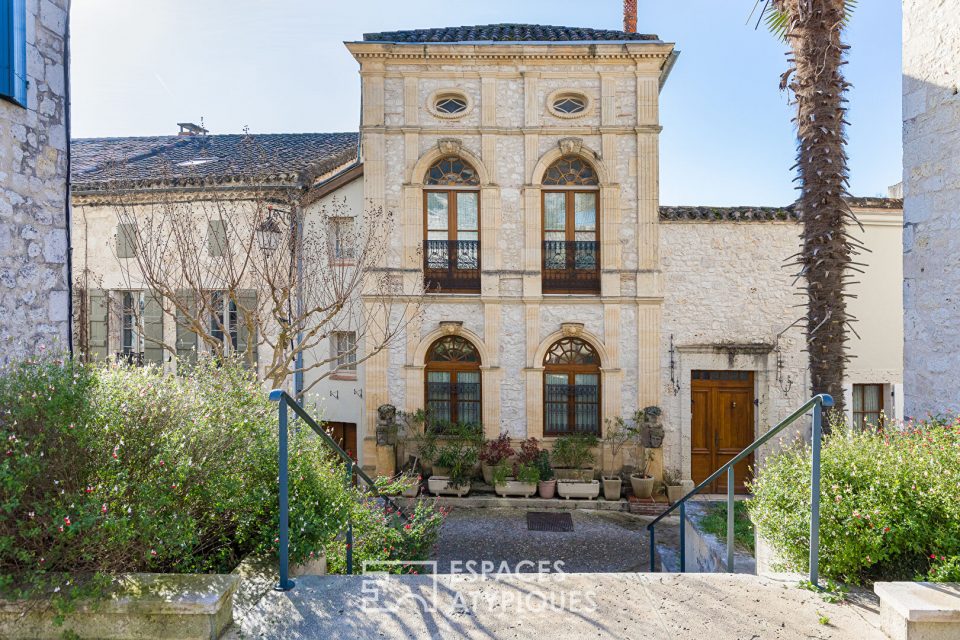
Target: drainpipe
297, 224
67, 213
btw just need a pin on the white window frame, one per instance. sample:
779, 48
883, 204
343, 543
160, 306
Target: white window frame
343, 351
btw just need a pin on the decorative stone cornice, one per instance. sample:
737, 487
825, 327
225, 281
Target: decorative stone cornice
571, 146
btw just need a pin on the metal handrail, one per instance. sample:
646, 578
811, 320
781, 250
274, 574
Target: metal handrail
816, 403
284, 401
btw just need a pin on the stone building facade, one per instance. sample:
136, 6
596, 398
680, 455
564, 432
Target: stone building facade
521, 166
34, 262
931, 190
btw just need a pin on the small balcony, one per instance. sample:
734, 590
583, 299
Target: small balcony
451, 266
571, 267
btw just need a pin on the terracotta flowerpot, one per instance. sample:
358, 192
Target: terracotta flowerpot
612, 487
547, 488
642, 486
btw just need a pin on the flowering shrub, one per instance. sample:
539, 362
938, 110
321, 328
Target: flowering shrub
123, 469
529, 451
496, 451
888, 508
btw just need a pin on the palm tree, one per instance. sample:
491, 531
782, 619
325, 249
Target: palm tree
814, 30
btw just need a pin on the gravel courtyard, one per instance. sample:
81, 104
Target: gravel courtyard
601, 542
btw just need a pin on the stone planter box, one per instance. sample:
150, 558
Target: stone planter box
612, 486
578, 489
675, 492
440, 485
140, 605
569, 473
516, 488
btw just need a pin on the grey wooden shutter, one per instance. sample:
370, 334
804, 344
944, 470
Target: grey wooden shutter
126, 241
247, 312
216, 238
186, 337
97, 307
152, 328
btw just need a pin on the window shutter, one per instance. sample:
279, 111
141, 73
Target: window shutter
125, 241
186, 338
97, 324
13, 50
152, 328
247, 303
216, 238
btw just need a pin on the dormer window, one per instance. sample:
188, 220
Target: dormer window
451, 105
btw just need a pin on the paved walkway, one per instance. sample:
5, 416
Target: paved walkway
574, 606
601, 542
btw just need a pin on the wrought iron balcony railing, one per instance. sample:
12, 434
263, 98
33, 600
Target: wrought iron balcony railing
452, 266
571, 267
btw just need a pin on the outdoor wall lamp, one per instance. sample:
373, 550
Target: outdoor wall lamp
269, 232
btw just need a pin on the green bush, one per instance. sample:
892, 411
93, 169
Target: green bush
123, 469
889, 503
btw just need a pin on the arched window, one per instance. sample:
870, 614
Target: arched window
451, 210
571, 248
571, 388
453, 383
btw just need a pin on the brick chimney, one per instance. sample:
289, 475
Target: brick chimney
630, 16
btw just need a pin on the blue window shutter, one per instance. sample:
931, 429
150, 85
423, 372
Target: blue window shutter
13, 52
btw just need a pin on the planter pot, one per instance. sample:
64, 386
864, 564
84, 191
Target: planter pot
547, 488
441, 485
578, 489
642, 486
570, 473
412, 492
687, 486
675, 493
612, 487
516, 488
487, 471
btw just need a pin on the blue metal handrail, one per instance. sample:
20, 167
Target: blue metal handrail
284, 401
816, 403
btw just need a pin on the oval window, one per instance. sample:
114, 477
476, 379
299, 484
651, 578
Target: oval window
450, 105
569, 105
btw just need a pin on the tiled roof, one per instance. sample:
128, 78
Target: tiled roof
505, 33
753, 214
98, 163
731, 214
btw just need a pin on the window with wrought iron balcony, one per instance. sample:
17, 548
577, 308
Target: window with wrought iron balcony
451, 247
571, 251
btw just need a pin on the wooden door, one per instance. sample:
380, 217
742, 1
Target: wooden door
345, 435
721, 425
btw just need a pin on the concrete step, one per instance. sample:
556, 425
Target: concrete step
536, 606
919, 610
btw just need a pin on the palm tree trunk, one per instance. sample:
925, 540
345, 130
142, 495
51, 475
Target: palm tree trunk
814, 29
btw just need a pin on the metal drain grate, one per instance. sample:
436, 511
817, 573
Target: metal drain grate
546, 521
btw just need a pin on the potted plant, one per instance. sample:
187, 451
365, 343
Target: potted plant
458, 453
493, 453
524, 483
573, 456
642, 483
405, 483
616, 435
547, 485
671, 480
588, 489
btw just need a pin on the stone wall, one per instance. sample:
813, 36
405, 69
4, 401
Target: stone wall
931, 188
34, 286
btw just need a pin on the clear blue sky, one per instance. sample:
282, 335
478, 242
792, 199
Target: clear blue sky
280, 66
